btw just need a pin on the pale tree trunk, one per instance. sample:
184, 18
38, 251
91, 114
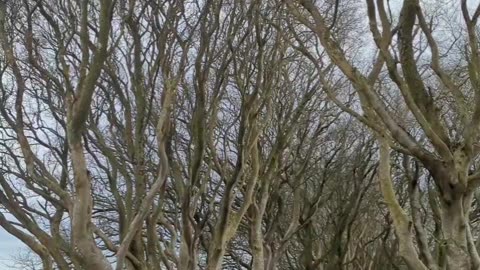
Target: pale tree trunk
422, 241
189, 241
82, 230
256, 238
263, 255
77, 112
454, 229
401, 222
229, 220
188, 255
472, 249
249, 153
271, 258
162, 132
455, 205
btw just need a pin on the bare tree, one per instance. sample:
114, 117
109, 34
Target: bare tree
228, 134
448, 152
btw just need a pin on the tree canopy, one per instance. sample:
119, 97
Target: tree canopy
241, 134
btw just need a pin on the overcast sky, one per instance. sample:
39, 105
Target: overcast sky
9, 246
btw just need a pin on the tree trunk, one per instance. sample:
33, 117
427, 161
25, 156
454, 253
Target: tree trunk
188, 247
188, 256
82, 234
454, 231
451, 180
256, 241
215, 257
